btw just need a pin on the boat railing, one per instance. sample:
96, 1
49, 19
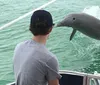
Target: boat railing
76, 78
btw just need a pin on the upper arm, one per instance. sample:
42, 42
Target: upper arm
53, 82
53, 75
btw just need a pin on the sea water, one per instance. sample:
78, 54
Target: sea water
81, 54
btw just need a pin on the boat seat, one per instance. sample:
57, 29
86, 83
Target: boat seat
68, 79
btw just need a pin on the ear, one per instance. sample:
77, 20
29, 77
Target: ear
50, 29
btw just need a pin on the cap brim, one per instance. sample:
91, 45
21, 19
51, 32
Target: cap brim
53, 24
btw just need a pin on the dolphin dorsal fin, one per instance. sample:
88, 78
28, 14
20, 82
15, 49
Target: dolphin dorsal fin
72, 34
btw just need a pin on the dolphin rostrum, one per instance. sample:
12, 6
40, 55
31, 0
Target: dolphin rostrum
85, 23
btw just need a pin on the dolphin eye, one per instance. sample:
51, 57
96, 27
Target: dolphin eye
73, 18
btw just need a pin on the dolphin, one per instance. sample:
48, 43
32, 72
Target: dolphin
85, 23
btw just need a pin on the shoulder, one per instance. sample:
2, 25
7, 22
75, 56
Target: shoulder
50, 54
46, 55
52, 59
20, 45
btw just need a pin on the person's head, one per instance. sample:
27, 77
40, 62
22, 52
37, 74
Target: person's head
41, 23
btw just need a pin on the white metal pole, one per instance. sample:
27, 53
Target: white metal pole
25, 15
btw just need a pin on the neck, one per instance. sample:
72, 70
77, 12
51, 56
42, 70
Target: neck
41, 39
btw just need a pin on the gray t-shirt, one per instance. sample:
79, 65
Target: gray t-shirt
34, 64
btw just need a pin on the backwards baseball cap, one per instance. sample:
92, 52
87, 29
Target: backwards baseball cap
41, 19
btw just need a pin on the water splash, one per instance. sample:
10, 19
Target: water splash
92, 10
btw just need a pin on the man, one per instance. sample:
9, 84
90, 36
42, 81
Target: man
34, 64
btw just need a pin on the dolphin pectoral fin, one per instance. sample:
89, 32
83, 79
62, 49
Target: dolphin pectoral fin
73, 33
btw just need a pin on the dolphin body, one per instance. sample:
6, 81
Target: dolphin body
82, 22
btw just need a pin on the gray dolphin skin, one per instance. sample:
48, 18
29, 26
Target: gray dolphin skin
82, 22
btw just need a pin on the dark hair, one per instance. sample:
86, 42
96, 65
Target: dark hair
41, 22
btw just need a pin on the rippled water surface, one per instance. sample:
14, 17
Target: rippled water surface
81, 54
